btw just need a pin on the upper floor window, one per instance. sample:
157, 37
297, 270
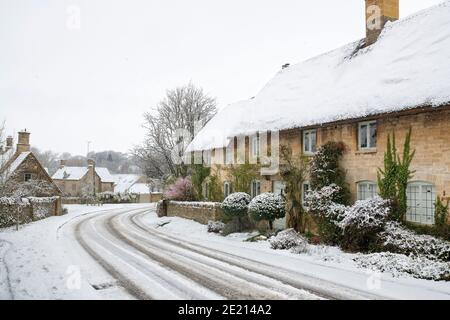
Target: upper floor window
27, 177
255, 188
309, 141
255, 147
367, 135
367, 190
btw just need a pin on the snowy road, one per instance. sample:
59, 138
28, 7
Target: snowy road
123, 252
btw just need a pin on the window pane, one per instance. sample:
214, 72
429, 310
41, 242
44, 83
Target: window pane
306, 143
363, 136
313, 141
373, 135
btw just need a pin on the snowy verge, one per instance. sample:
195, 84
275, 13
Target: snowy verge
323, 262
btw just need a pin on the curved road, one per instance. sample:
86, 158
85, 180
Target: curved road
149, 264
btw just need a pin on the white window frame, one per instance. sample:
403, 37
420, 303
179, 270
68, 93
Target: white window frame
306, 186
226, 189
368, 193
256, 184
255, 147
308, 147
417, 203
282, 189
369, 137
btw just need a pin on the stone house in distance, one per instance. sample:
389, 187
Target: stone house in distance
395, 79
76, 181
21, 165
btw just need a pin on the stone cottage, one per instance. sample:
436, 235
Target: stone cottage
88, 180
20, 167
395, 79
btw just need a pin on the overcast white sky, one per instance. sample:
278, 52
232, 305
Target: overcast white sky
68, 85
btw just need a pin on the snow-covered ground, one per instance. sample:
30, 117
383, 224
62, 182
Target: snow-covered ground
126, 251
42, 260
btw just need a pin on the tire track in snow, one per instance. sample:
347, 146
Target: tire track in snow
6, 246
122, 280
229, 282
322, 288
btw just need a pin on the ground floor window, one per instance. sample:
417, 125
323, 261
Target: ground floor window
278, 187
306, 189
421, 198
256, 188
367, 190
226, 189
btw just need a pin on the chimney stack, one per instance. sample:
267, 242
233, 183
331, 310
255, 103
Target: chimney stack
62, 163
91, 162
23, 145
9, 143
378, 13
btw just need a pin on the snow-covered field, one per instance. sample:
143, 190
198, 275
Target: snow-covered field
126, 252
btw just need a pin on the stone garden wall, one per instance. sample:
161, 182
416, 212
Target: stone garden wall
201, 212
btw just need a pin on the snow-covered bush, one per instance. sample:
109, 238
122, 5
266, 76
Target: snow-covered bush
288, 239
361, 224
181, 190
267, 206
366, 214
236, 204
215, 226
396, 238
326, 213
401, 265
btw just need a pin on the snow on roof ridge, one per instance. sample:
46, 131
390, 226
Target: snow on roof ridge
406, 68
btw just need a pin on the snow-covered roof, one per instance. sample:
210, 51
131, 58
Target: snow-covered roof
104, 174
139, 188
408, 67
16, 162
76, 173
70, 173
125, 181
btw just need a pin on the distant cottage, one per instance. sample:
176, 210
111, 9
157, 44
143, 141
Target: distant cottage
20, 167
79, 181
396, 78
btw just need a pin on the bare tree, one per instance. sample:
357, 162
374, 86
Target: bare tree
186, 108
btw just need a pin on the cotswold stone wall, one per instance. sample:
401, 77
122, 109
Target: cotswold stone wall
28, 210
201, 212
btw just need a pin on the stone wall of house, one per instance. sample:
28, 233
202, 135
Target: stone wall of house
30, 209
201, 212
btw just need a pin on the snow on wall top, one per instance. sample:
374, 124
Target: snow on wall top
409, 66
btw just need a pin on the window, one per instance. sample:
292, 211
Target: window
306, 189
255, 147
226, 189
421, 197
367, 190
309, 141
367, 135
229, 154
278, 187
27, 177
256, 188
